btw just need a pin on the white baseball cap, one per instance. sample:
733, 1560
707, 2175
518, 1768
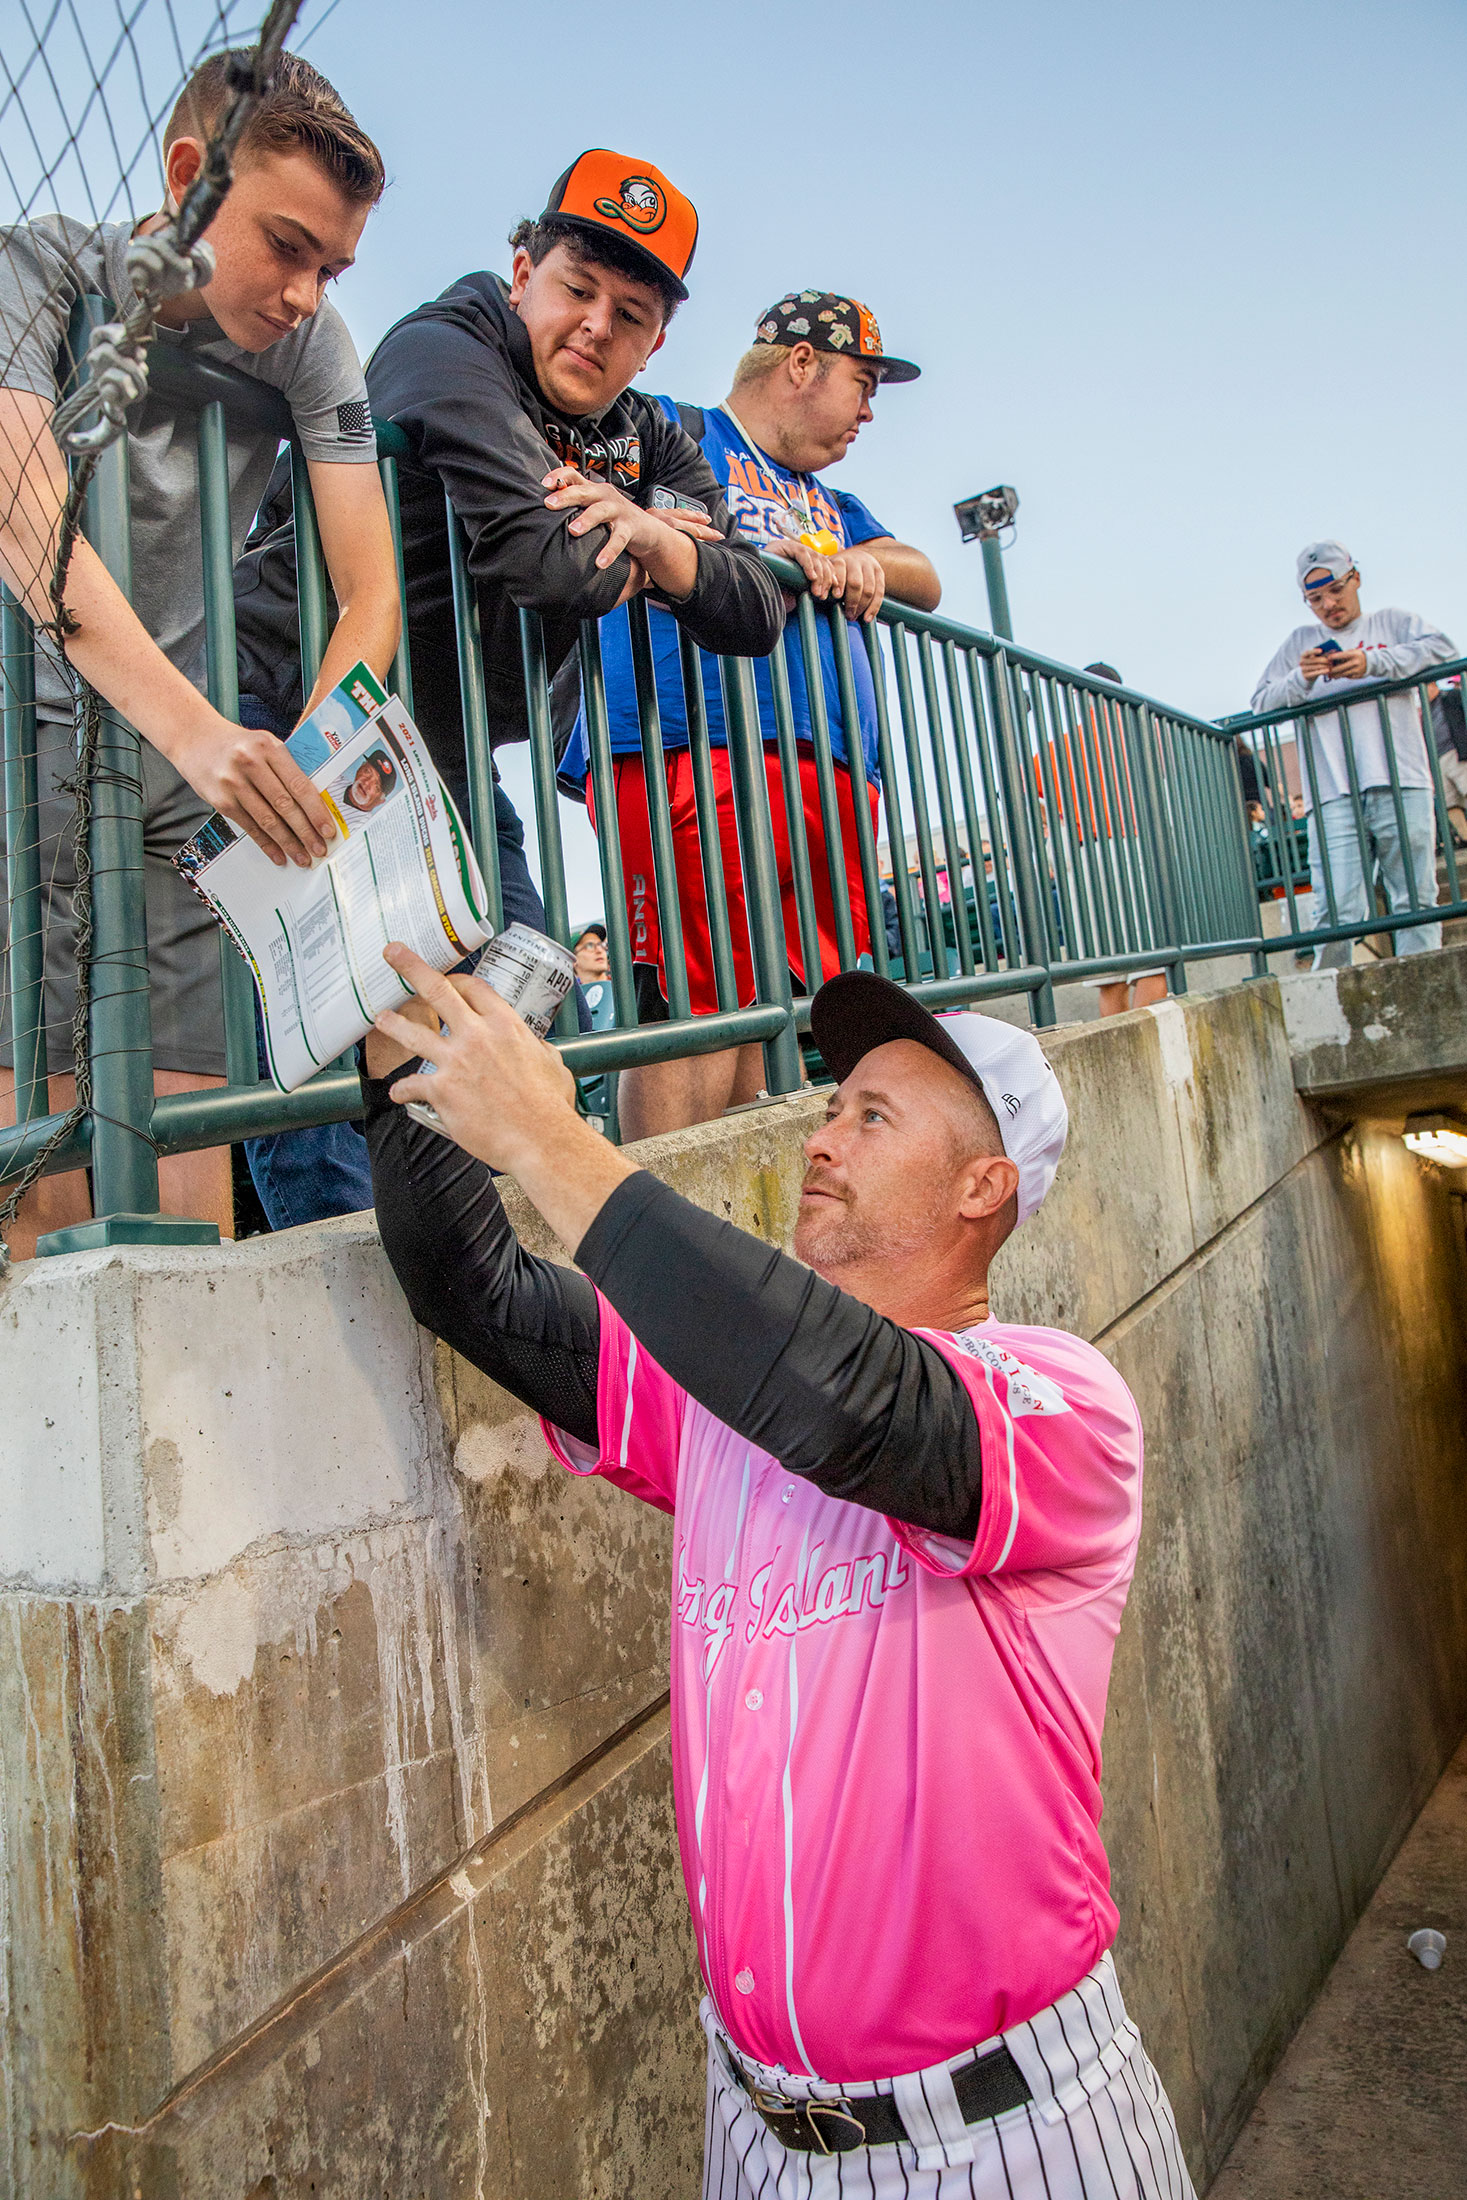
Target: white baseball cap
857, 1011
1329, 557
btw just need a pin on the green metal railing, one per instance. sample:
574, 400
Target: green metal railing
1040, 826
1299, 869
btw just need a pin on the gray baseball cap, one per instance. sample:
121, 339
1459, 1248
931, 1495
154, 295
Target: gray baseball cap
1333, 557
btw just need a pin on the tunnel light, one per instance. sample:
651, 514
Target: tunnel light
1438, 1138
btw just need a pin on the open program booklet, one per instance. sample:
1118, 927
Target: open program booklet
401, 868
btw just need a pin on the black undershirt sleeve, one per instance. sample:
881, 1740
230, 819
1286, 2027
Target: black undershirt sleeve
856, 1404
530, 1324
835, 1392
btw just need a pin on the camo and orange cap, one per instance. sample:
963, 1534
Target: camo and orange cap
634, 201
831, 323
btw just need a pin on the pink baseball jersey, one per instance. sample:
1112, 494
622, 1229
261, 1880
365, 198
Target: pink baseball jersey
885, 1743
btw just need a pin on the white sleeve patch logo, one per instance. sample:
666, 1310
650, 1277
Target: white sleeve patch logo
1028, 1390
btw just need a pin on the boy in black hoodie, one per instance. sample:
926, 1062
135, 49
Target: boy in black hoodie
575, 493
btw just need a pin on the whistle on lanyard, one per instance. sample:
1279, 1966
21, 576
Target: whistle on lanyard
821, 539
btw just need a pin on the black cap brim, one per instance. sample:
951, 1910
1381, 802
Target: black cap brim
857, 1011
894, 370
658, 271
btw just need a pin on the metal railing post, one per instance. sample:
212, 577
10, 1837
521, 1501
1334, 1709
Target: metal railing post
710, 846
1440, 804
23, 843
392, 445
659, 813
475, 706
998, 588
120, 1042
1161, 855
921, 816
830, 824
608, 840
801, 882
241, 1058
783, 1069
951, 841
547, 806
1031, 914
896, 835
310, 570
845, 674
999, 847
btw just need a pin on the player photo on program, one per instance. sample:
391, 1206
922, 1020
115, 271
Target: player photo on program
372, 780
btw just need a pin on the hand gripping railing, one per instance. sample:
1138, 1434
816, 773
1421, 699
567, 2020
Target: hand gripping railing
1038, 826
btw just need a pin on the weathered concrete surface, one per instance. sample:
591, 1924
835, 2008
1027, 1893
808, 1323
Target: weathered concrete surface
338, 1853
505, 2031
1291, 1675
1387, 1039
1371, 2098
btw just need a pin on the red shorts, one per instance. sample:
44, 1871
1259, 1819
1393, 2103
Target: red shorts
641, 886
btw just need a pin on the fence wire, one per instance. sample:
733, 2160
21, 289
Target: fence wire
85, 91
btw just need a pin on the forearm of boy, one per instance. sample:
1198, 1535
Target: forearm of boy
250, 777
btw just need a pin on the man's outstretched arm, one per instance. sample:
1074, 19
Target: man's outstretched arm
862, 1407
529, 1323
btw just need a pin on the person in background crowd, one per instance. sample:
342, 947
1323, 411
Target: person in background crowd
1449, 724
574, 493
593, 975
1255, 779
1143, 988
594, 969
1342, 648
799, 398
306, 179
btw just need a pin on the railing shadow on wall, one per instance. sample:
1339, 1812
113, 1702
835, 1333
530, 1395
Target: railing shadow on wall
1040, 826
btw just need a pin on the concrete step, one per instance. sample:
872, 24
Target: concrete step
1371, 2099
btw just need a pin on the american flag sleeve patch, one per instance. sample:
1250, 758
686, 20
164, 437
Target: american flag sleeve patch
354, 420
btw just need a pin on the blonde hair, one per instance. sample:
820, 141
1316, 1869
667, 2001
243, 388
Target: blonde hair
762, 360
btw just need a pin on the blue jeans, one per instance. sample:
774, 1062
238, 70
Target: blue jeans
1409, 874
305, 1176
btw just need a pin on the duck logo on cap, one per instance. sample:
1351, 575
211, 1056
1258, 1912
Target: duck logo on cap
640, 204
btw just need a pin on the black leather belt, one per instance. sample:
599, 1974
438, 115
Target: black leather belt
988, 2087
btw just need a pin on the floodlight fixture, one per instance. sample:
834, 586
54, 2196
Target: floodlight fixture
984, 518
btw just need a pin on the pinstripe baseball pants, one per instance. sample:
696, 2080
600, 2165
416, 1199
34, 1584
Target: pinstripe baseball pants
1099, 2126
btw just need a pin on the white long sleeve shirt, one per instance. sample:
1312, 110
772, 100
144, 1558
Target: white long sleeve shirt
1396, 644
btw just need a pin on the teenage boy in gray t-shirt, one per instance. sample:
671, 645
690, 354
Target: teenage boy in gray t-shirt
306, 178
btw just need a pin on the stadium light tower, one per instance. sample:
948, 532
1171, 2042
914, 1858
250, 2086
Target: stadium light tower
985, 519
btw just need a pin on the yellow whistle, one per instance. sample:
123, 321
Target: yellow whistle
822, 540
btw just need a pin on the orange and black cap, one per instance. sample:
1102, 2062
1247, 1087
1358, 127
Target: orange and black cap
832, 323
611, 193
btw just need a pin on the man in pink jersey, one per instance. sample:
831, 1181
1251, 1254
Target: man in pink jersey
904, 1536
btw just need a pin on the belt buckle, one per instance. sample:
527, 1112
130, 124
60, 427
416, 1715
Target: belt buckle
806, 2113
844, 2115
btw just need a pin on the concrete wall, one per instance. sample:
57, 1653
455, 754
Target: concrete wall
337, 1843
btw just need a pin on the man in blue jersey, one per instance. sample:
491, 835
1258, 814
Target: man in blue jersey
801, 395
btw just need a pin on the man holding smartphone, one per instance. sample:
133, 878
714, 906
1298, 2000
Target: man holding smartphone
1347, 647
